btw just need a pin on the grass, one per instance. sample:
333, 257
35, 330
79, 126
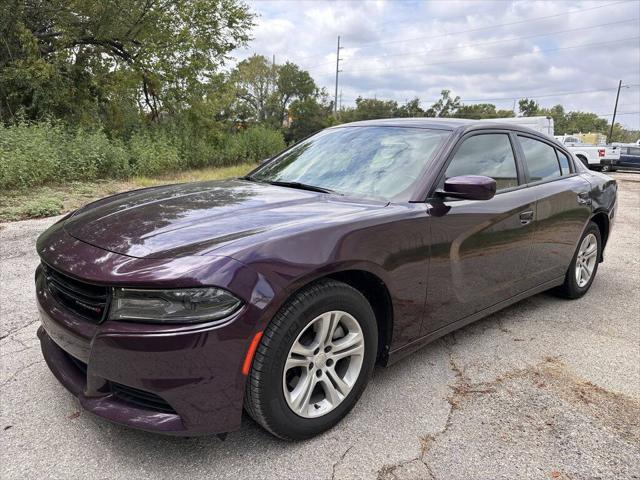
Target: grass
52, 200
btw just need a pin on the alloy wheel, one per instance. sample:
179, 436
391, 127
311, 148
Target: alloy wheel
586, 259
323, 364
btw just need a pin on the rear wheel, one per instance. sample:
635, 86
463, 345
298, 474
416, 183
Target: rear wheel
314, 361
584, 265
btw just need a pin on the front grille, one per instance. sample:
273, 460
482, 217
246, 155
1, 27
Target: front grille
140, 398
87, 300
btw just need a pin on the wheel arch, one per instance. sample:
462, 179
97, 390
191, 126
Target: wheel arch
378, 296
601, 219
369, 284
583, 158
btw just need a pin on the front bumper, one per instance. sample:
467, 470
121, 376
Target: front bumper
185, 381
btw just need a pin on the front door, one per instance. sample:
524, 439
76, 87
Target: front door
480, 248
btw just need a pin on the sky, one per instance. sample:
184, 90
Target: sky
568, 52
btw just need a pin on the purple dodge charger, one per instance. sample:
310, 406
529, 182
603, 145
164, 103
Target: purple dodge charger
171, 309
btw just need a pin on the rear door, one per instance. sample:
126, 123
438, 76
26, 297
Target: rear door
479, 247
563, 207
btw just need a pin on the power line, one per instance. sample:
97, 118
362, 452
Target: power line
560, 94
568, 12
528, 20
414, 67
616, 114
535, 19
495, 42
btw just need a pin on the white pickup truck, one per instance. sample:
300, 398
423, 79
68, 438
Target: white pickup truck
595, 157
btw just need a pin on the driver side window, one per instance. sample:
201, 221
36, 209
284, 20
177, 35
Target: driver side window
487, 154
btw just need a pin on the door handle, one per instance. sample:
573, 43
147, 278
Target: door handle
526, 217
584, 199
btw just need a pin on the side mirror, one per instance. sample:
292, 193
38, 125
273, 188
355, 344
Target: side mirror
469, 187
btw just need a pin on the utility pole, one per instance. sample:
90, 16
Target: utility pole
615, 110
335, 98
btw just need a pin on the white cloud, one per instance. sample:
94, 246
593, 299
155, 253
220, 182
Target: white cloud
400, 50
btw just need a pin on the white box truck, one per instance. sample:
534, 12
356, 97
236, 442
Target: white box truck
539, 124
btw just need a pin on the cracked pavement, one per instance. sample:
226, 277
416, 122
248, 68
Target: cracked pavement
547, 388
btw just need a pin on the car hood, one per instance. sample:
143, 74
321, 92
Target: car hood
198, 218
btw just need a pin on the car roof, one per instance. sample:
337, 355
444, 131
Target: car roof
416, 122
461, 125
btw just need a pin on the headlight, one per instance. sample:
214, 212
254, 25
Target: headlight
185, 305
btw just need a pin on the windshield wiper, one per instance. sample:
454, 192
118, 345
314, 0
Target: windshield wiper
299, 185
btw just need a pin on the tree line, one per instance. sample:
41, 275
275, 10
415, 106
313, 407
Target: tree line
156, 74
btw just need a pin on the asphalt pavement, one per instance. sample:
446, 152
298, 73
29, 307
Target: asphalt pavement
547, 388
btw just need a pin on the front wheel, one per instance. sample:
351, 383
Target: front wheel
314, 361
584, 265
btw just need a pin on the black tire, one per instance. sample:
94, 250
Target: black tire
570, 288
264, 396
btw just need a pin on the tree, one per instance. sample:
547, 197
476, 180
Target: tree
482, 110
265, 91
566, 123
292, 83
308, 115
528, 108
255, 81
585, 122
70, 57
620, 134
410, 109
445, 106
369, 109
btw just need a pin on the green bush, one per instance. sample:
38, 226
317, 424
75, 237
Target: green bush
198, 151
153, 154
29, 154
45, 152
89, 155
43, 207
252, 145
37, 153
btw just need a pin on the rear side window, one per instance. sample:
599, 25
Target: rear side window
564, 163
540, 158
490, 155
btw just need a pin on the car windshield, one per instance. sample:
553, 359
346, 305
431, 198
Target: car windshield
372, 162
